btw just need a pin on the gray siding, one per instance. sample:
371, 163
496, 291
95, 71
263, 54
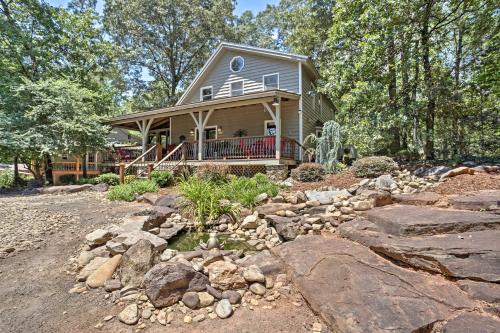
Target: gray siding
250, 118
220, 76
314, 107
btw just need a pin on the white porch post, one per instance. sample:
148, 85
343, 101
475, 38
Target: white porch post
144, 126
200, 135
278, 130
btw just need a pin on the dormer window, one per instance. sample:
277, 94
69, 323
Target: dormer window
237, 88
206, 93
237, 64
270, 81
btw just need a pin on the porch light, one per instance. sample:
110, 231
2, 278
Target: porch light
191, 132
276, 101
219, 130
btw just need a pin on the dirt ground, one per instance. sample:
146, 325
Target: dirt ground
34, 283
467, 183
342, 179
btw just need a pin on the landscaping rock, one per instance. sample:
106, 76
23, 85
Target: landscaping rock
488, 292
112, 285
432, 171
165, 283
456, 172
171, 232
137, 261
472, 322
225, 275
325, 197
258, 289
191, 299
104, 272
232, 296
250, 222
482, 200
129, 315
272, 208
361, 205
285, 227
384, 182
171, 201
356, 290
253, 274
98, 237
377, 197
224, 309
205, 299
417, 199
90, 268
130, 238
414, 220
214, 292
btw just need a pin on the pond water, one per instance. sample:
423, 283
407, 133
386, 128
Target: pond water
188, 241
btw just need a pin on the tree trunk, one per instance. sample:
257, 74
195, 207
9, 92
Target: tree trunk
431, 99
16, 169
391, 90
457, 124
416, 139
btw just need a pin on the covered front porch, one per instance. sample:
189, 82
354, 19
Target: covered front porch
260, 128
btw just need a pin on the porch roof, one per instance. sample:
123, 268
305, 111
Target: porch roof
129, 120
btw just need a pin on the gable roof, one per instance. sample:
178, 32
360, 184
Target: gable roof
248, 49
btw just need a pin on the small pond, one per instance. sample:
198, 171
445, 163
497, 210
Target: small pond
188, 241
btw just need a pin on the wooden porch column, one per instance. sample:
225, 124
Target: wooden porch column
144, 126
200, 126
278, 130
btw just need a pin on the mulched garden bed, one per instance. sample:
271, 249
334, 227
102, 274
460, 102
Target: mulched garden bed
342, 179
467, 183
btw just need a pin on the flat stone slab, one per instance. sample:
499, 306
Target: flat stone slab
472, 323
167, 233
356, 290
417, 199
405, 220
472, 255
482, 200
488, 292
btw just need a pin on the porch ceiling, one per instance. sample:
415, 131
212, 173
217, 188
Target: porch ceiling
129, 120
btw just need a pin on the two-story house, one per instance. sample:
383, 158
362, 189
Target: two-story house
248, 107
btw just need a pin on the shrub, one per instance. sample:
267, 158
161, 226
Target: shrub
374, 166
6, 179
245, 190
162, 178
205, 199
129, 179
217, 173
83, 181
67, 179
308, 172
111, 179
127, 192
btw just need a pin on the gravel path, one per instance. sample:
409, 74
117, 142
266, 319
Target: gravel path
46, 230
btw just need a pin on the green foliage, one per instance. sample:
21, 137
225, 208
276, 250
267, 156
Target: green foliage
374, 166
84, 180
162, 178
67, 179
209, 200
205, 200
7, 180
216, 173
308, 172
129, 179
327, 145
245, 190
111, 179
127, 192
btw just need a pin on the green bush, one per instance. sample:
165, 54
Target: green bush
204, 199
111, 179
374, 166
67, 179
129, 179
245, 190
308, 172
6, 179
162, 178
83, 181
127, 192
217, 173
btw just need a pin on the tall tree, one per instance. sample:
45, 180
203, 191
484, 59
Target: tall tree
167, 41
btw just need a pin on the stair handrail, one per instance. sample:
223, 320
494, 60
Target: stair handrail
140, 157
168, 155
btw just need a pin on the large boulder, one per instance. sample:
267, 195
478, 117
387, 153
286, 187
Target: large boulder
417, 199
473, 255
285, 226
171, 201
482, 200
472, 322
377, 197
356, 290
166, 283
136, 262
225, 275
457, 171
98, 237
127, 239
488, 292
415, 220
268, 264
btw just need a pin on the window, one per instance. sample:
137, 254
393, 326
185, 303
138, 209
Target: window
269, 127
319, 132
237, 64
271, 81
206, 93
209, 133
237, 88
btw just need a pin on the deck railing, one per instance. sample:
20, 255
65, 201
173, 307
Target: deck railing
253, 147
74, 167
127, 154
